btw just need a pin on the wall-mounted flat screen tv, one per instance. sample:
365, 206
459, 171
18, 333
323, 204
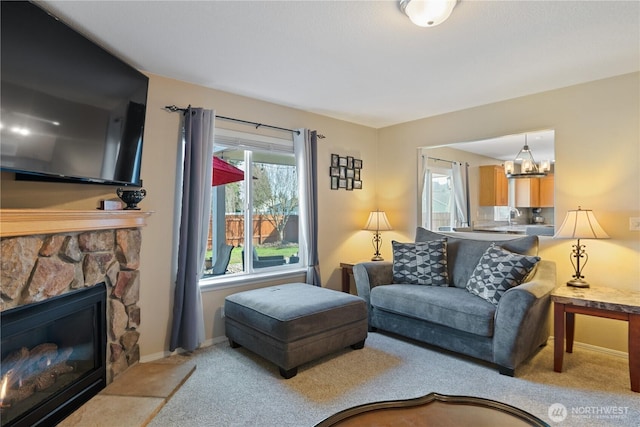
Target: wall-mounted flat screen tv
70, 109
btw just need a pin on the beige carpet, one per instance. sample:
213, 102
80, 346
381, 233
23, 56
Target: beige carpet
582, 370
327, 379
234, 387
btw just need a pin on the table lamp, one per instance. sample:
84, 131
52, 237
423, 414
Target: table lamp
580, 224
377, 222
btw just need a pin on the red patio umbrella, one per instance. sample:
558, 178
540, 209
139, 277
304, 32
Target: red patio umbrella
224, 173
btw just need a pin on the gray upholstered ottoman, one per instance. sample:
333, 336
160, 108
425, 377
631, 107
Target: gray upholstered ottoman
295, 323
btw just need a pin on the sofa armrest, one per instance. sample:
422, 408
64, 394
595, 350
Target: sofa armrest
522, 318
368, 275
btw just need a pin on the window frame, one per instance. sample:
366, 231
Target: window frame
251, 143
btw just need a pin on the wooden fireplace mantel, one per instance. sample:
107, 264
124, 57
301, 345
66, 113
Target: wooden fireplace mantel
25, 222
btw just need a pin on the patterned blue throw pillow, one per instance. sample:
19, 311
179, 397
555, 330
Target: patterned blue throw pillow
421, 263
498, 271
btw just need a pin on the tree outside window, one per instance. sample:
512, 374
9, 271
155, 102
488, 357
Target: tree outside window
276, 195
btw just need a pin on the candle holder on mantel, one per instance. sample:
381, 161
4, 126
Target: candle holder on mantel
131, 197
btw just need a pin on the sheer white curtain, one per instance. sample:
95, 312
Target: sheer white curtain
424, 193
460, 178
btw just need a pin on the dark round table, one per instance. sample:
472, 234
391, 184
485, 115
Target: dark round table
433, 410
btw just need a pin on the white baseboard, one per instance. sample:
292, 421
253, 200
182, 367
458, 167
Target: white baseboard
598, 349
218, 340
162, 354
157, 356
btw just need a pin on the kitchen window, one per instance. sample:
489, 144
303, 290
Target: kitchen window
437, 200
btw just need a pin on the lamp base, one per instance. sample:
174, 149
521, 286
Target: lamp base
578, 283
377, 258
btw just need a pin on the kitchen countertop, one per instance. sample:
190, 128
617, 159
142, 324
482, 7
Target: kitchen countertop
531, 229
515, 228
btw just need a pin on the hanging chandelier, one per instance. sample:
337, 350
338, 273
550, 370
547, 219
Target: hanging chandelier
525, 166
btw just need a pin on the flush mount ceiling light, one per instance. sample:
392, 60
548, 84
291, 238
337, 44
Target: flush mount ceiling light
528, 168
428, 13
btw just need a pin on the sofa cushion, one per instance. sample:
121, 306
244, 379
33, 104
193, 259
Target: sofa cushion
498, 271
422, 263
463, 254
446, 306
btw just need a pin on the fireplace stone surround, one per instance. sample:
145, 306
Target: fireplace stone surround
45, 253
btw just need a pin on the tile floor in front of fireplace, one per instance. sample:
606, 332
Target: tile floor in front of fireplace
135, 397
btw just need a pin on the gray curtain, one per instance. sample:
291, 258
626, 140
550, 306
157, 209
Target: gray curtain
187, 330
305, 147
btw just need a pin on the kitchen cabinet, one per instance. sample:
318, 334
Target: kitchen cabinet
534, 192
546, 191
493, 186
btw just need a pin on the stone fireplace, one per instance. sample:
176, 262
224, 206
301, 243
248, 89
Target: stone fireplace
46, 254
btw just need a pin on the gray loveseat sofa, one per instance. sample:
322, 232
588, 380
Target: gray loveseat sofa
449, 316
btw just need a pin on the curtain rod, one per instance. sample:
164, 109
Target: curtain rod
443, 160
173, 109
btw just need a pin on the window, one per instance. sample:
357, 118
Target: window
438, 207
257, 216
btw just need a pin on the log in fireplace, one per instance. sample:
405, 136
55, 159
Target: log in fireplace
53, 357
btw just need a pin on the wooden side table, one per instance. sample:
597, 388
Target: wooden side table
602, 302
347, 274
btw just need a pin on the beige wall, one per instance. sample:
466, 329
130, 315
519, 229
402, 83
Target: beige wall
597, 147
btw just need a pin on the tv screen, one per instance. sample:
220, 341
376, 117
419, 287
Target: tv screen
70, 109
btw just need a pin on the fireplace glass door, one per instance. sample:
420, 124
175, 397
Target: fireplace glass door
52, 357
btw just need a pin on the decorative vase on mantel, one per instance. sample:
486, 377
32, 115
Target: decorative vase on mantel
131, 197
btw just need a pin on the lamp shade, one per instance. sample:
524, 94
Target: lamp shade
509, 167
580, 224
377, 222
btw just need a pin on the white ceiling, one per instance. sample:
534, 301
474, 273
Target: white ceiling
541, 143
364, 61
